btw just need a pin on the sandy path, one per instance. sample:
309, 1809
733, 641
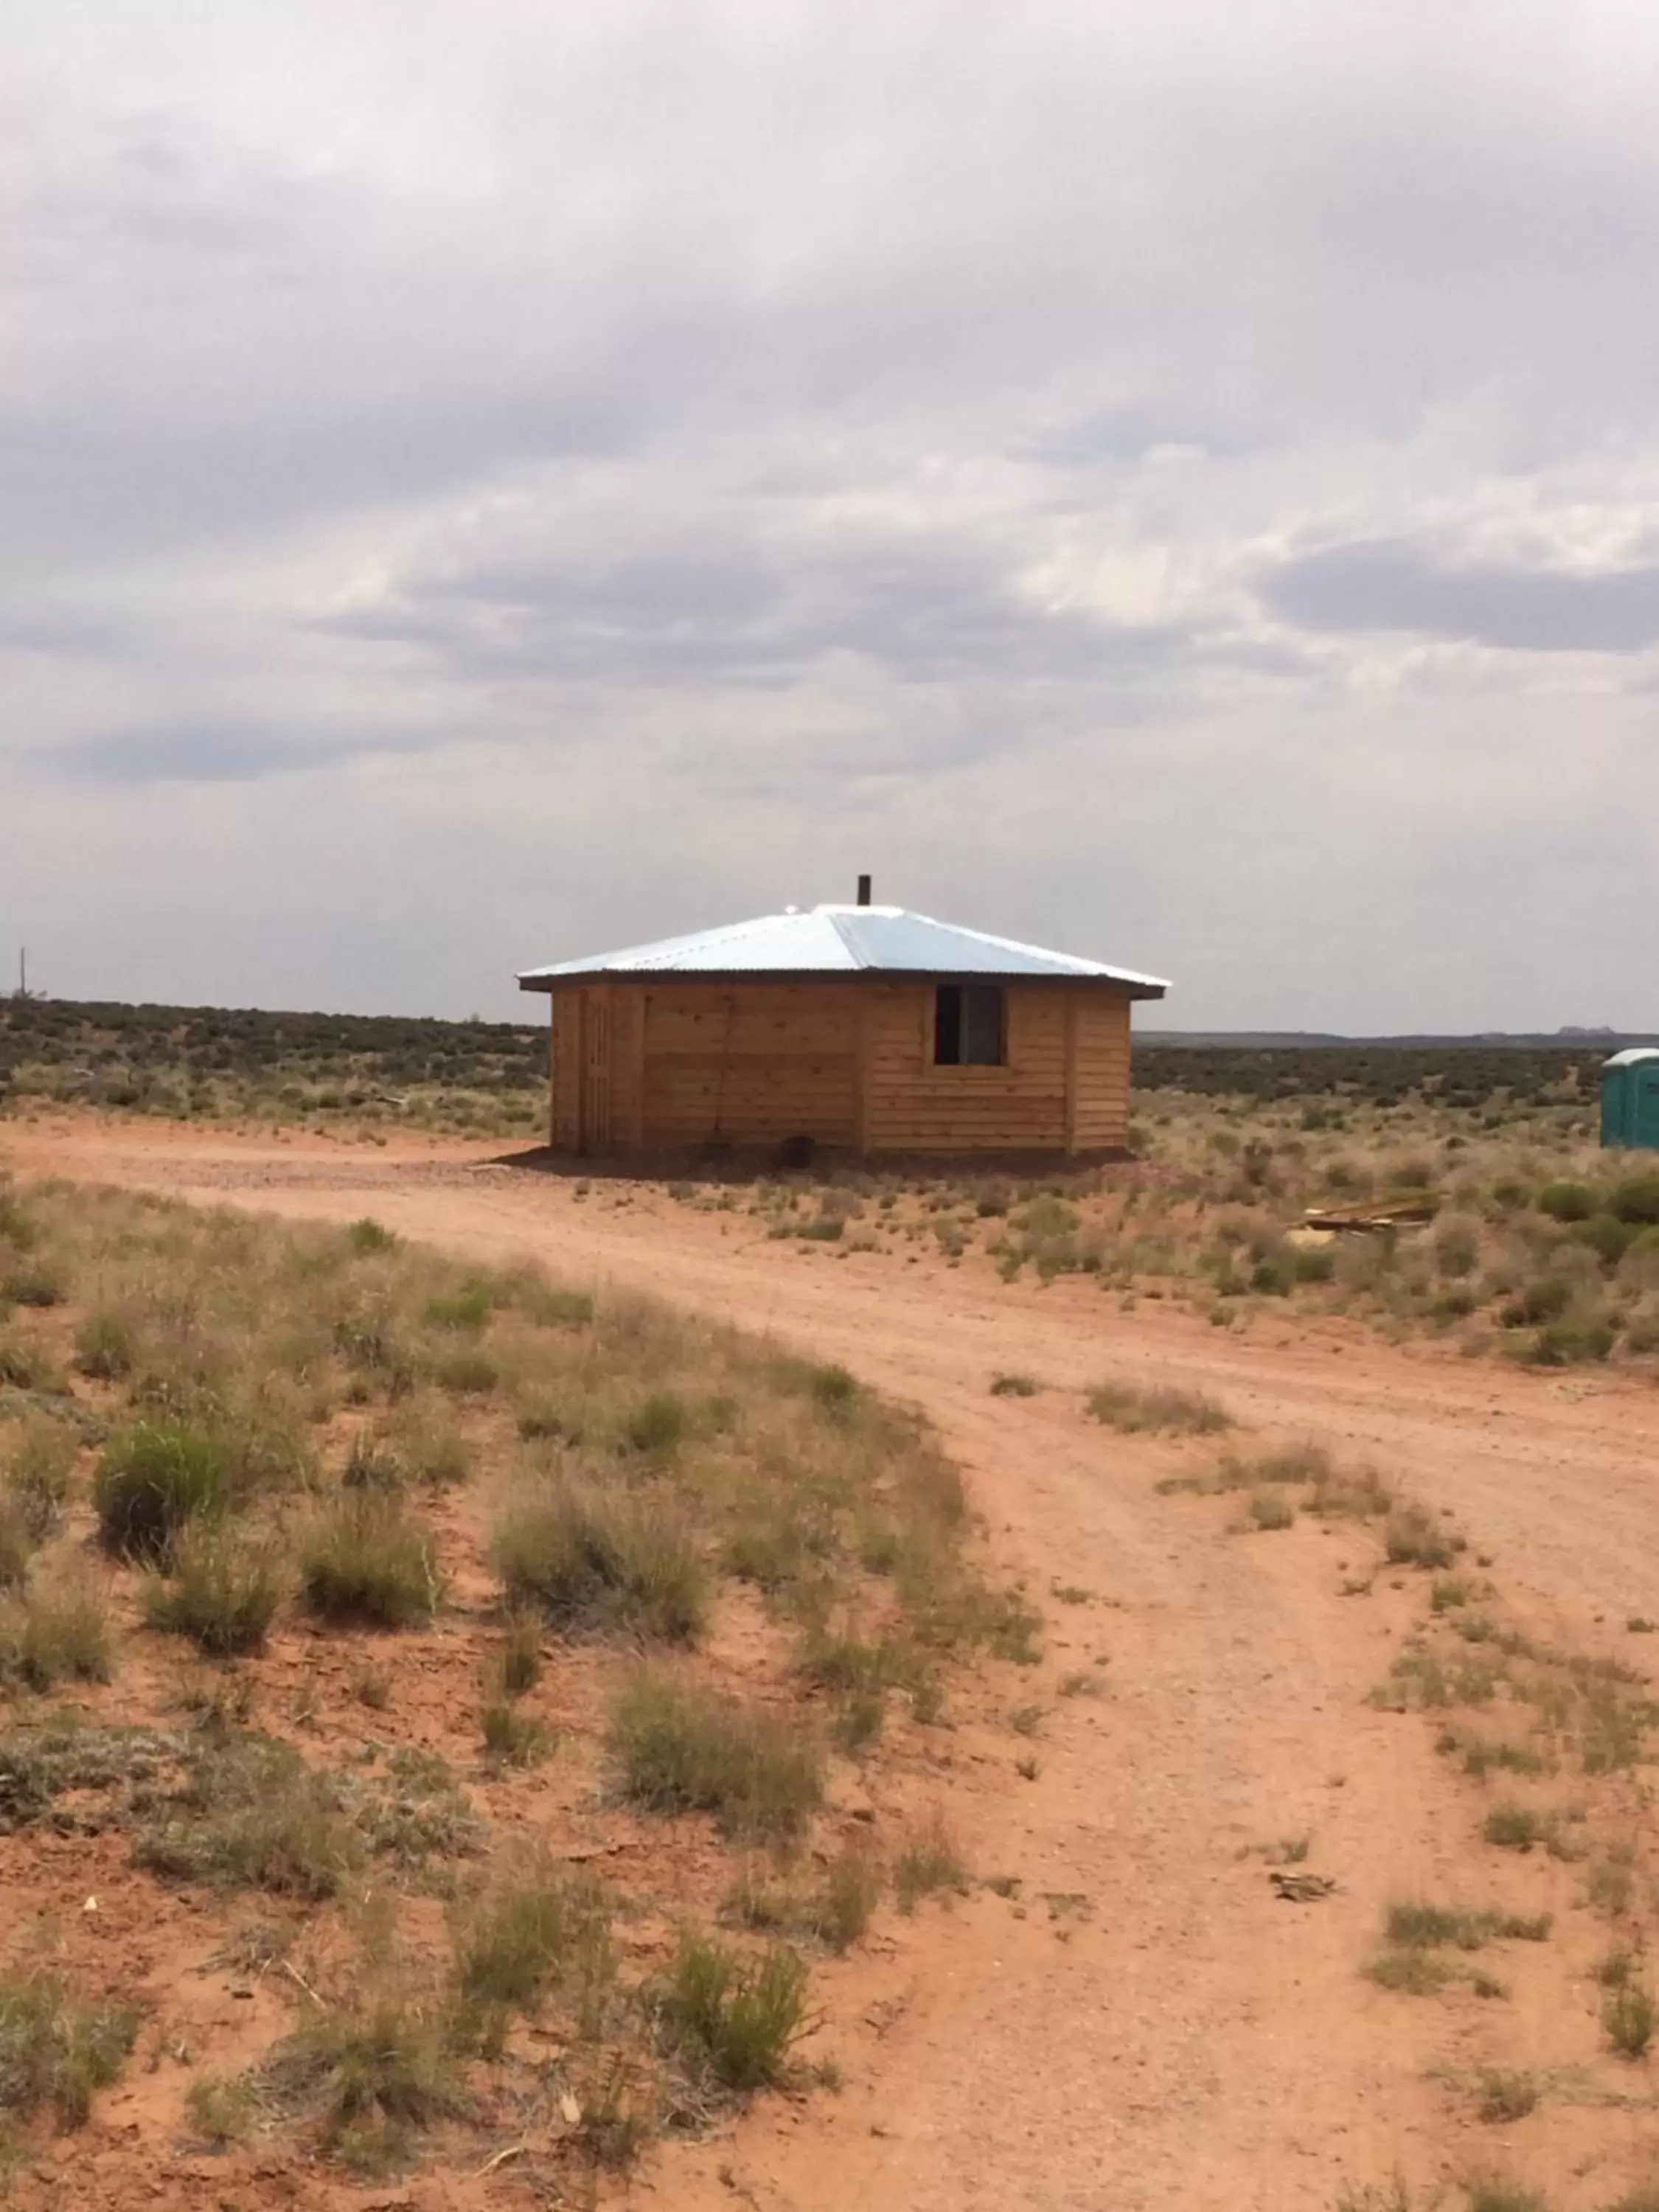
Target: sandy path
1170, 2034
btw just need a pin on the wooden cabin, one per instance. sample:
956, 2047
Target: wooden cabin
862, 1030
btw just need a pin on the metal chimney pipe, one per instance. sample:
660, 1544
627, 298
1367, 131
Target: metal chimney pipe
864, 890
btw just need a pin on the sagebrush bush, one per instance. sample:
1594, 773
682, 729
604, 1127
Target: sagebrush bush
364, 1557
733, 2017
594, 1556
151, 1480
683, 1748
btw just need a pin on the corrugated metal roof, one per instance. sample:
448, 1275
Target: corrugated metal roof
829, 940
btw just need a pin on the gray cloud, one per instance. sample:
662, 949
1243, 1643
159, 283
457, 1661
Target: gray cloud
1393, 584
213, 752
750, 613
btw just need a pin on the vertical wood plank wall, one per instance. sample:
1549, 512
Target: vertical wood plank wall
848, 1066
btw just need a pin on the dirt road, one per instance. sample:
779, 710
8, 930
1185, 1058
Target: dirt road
1147, 2024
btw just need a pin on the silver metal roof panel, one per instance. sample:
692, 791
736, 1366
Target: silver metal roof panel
831, 940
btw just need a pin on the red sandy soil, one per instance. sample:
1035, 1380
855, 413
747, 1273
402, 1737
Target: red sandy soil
1147, 2025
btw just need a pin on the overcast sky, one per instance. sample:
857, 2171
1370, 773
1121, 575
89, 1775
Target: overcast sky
1177, 480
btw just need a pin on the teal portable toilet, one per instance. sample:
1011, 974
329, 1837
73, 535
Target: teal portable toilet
1629, 1097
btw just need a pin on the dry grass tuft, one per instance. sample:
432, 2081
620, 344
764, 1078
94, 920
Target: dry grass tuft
683, 1748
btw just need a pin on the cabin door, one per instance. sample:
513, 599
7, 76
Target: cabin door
595, 1132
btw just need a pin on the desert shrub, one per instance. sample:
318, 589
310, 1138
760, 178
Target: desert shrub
379, 2065
1546, 1300
152, 1478
1635, 1198
518, 1662
56, 2050
467, 1311
25, 1363
371, 1463
18, 1542
1419, 1925
730, 2017
1271, 1509
250, 1814
467, 1373
428, 1444
222, 1590
534, 1927
658, 1425
364, 1557
1186, 1412
39, 1469
106, 1348
1566, 1201
1014, 1386
593, 1557
56, 1631
840, 1913
929, 1861
1414, 1538
1506, 2096
681, 1748
367, 1236
1608, 1238
1629, 2016
1569, 1343
1515, 1827
38, 1282
512, 1736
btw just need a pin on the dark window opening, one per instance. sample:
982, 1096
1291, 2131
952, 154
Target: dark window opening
968, 1027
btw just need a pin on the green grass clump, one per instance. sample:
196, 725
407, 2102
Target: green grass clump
152, 1478
222, 1589
588, 1556
1420, 1925
1160, 1410
1515, 1827
364, 1558
733, 2018
1410, 1970
682, 1749
56, 2051
534, 1928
